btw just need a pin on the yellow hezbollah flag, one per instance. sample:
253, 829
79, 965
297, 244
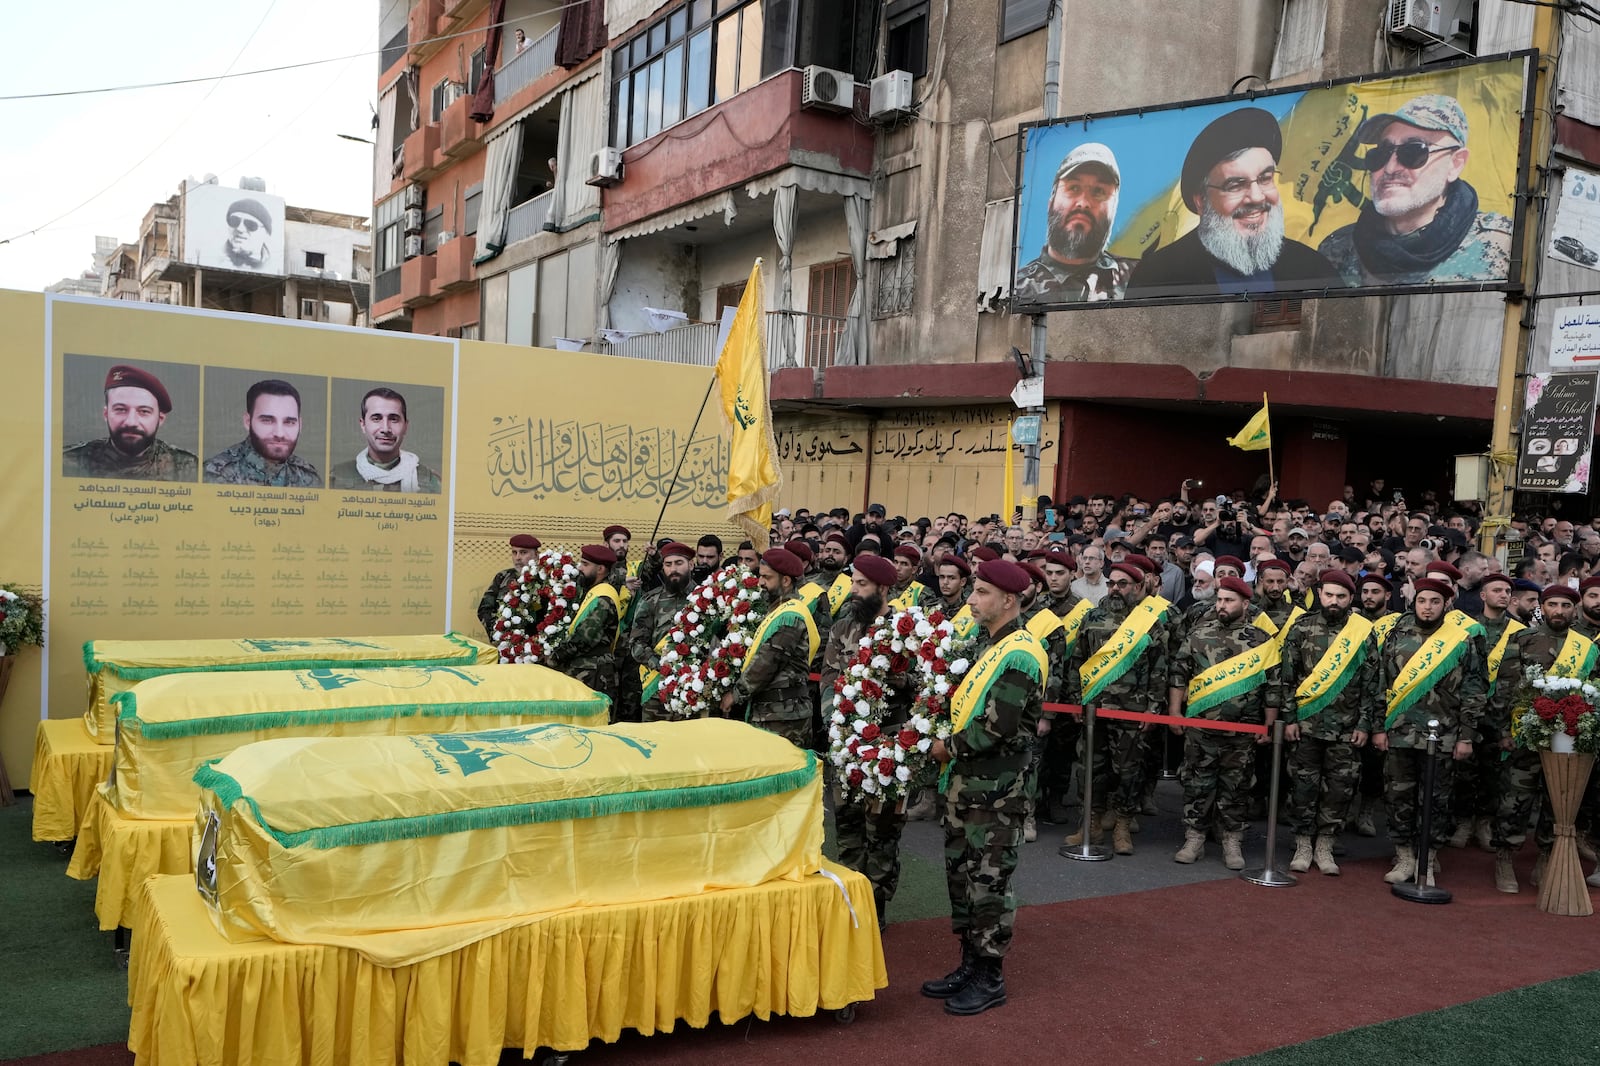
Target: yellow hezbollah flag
753, 475
1257, 433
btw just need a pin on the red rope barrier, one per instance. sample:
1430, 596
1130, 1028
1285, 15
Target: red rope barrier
1158, 719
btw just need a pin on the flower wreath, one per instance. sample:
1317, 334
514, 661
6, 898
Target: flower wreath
1552, 704
868, 758
708, 641
537, 608
942, 659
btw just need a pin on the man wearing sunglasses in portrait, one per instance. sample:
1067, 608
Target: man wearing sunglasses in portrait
1421, 222
1230, 179
249, 227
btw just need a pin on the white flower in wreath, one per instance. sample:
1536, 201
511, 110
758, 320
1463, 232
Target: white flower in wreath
903, 773
941, 687
958, 667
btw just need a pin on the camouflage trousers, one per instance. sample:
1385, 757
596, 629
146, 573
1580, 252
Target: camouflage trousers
1118, 765
1403, 781
627, 691
1521, 790
652, 711
869, 843
1477, 786
1323, 775
980, 855
1216, 774
796, 731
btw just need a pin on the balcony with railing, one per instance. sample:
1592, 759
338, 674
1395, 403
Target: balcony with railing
526, 67
459, 136
814, 341
527, 218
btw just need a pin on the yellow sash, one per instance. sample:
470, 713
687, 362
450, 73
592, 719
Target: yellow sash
624, 594
1380, 628
1047, 622
1234, 676
1043, 624
602, 591
908, 598
1333, 671
1021, 650
1498, 652
1576, 657
1430, 663
650, 677
1276, 654
1264, 622
1118, 654
785, 614
963, 622
838, 592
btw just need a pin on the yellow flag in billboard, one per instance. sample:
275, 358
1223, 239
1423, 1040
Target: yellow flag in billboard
754, 478
1257, 433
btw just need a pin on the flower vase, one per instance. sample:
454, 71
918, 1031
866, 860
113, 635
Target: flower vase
1561, 743
900, 804
1562, 889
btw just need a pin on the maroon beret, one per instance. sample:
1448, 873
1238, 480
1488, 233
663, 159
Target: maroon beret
1037, 553
909, 551
131, 377
611, 531
525, 540
1493, 579
800, 548
1273, 564
1129, 569
1034, 572
959, 563
984, 554
836, 538
1432, 584
784, 562
1229, 560
599, 553
1235, 585
676, 550
1143, 562
1007, 577
1558, 591
1337, 577
1376, 579
876, 569
1442, 567
1061, 557
1583, 586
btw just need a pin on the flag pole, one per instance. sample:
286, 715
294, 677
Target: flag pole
683, 454
1271, 476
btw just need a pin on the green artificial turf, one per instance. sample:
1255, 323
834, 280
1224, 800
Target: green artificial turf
1550, 1024
63, 985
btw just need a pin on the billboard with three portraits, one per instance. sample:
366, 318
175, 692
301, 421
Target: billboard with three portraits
1372, 185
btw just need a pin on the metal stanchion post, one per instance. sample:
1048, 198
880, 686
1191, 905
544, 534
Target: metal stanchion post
1269, 875
1087, 852
1418, 890
1167, 773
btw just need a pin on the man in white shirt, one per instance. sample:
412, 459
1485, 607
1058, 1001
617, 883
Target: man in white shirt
1091, 582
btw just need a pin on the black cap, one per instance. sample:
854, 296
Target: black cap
1181, 540
1351, 554
1246, 127
877, 509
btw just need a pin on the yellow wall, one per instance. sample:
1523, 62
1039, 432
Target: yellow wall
21, 530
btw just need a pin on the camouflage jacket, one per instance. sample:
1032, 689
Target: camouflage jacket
991, 753
100, 459
1144, 686
588, 654
243, 465
1534, 646
1044, 280
1062, 604
1586, 628
347, 476
1358, 707
489, 603
773, 683
839, 649
651, 620
1457, 700
1213, 641
1276, 608
1055, 650
931, 601
1484, 254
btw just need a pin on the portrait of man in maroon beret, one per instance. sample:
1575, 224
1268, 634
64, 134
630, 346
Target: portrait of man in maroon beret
136, 406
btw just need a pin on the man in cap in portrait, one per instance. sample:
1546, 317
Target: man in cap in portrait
249, 228
1421, 223
136, 406
1230, 179
1074, 266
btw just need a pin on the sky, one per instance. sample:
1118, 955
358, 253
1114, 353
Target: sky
281, 127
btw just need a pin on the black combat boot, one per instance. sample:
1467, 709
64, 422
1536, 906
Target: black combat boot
956, 979
986, 989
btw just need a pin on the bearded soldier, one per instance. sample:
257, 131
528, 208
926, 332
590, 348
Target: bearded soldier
1477, 791
1053, 770
1376, 593
833, 557
869, 840
1272, 590
1587, 620
1329, 672
813, 589
589, 652
986, 759
772, 685
627, 579
652, 620
136, 407
523, 545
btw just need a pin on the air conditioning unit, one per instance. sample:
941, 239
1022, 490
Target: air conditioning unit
828, 90
890, 97
1418, 21
413, 220
413, 247
416, 196
605, 167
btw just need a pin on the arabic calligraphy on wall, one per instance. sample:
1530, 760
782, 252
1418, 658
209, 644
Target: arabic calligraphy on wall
545, 458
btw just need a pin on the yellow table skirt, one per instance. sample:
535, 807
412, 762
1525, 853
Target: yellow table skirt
785, 947
68, 765
123, 852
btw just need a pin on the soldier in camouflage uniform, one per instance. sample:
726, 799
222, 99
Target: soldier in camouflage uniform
1074, 266
626, 578
1455, 699
653, 615
1421, 223
1522, 776
589, 652
136, 407
1477, 785
1374, 593
772, 686
949, 593
1272, 590
1217, 764
1587, 620
869, 839
1118, 761
266, 455
985, 800
1054, 777
1037, 618
1325, 761
523, 545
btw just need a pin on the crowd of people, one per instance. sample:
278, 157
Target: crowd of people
1365, 626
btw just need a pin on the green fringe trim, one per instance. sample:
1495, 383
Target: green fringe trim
1232, 690
1422, 690
1340, 683
1116, 672
222, 725
392, 829
145, 673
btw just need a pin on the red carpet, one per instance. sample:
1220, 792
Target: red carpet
1193, 974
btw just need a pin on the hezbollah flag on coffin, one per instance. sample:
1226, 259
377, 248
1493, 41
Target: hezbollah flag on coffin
754, 478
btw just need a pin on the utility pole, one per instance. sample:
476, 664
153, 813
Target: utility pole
1052, 104
1521, 309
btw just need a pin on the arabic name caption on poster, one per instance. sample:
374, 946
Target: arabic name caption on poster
1558, 432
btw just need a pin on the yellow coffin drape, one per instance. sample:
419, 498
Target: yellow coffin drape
119, 853
117, 665
68, 765
786, 947
170, 725
404, 848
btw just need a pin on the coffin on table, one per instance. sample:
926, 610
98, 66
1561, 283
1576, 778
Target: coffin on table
117, 665
169, 726
404, 848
